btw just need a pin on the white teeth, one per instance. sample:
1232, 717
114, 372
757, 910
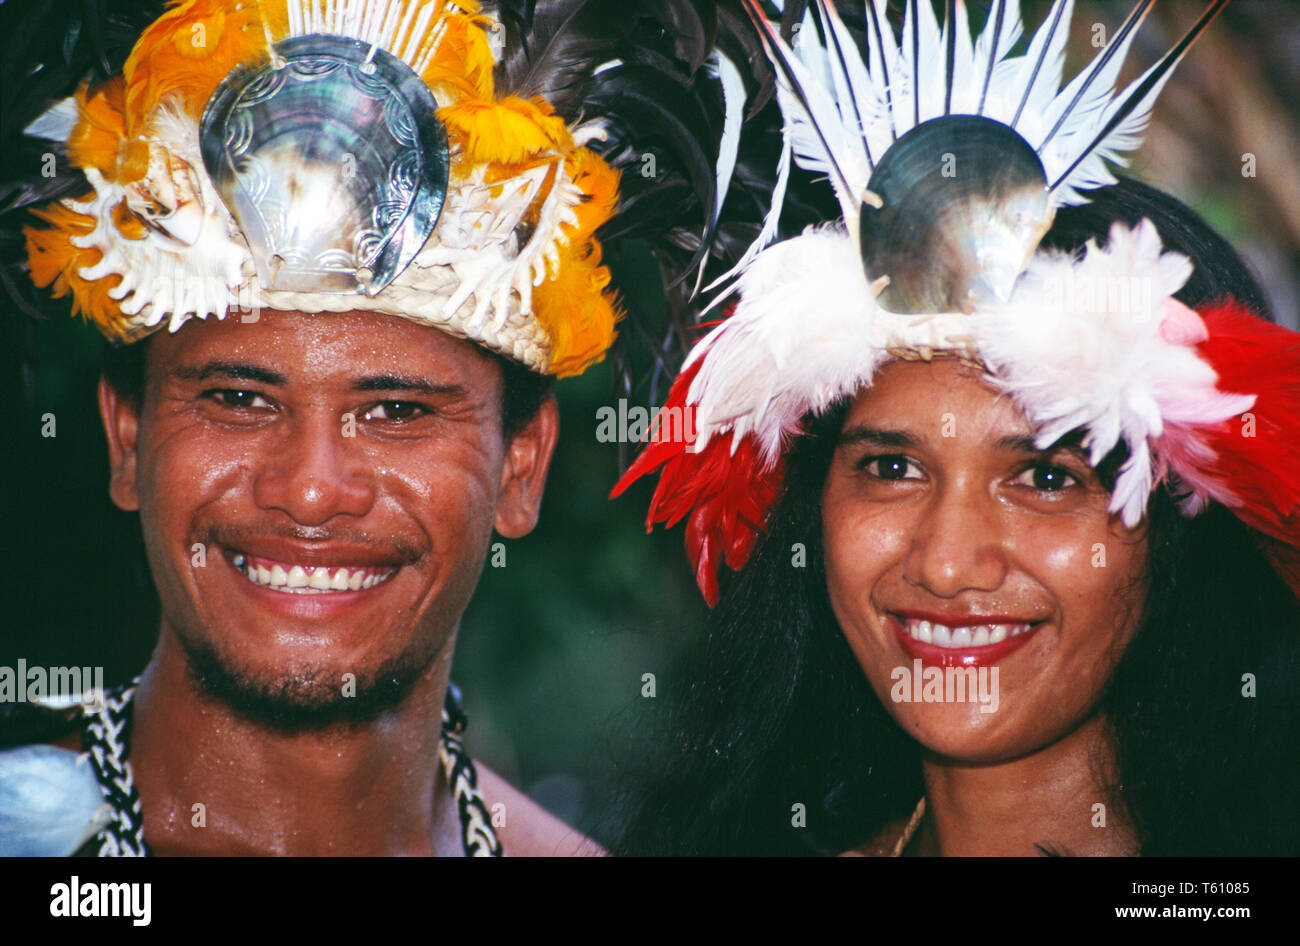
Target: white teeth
976, 635
314, 580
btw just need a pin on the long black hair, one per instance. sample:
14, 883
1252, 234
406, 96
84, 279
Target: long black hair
777, 744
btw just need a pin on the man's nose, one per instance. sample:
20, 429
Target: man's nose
314, 472
958, 544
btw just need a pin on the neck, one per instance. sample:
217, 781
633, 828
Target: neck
369, 790
1046, 799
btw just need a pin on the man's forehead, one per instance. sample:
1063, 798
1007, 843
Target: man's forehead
290, 347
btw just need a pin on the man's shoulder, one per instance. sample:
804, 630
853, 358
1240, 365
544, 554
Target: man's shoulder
529, 830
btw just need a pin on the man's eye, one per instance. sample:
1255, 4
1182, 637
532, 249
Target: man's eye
890, 467
396, 410
231, 397
1047, 478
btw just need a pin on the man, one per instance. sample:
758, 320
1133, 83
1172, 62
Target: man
395, 243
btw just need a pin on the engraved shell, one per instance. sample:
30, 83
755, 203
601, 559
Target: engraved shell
332, 161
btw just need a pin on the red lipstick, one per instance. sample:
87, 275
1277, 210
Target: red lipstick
971, 655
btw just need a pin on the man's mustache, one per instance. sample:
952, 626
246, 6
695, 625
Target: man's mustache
237, 535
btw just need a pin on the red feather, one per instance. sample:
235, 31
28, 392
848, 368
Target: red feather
1258, 456
726, 495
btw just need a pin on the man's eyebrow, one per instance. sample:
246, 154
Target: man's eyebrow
875, 436
236, 371
406, 384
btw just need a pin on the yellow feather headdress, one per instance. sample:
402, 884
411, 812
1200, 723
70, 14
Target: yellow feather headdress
511, 263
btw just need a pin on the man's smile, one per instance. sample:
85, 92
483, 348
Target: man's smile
308, 579
311, 580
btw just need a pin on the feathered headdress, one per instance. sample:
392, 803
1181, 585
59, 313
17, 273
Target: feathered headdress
955, 152
438, 160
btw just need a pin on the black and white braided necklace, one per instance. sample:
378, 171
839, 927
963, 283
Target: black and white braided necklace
107, 737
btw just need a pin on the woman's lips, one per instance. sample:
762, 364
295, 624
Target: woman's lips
964, 644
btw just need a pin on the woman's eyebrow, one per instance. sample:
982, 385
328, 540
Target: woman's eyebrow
1023, 444
877, 436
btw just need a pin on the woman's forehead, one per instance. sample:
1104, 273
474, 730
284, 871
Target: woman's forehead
944, 393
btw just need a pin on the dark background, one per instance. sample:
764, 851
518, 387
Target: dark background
553, 648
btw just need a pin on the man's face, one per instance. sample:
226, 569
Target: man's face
317, 495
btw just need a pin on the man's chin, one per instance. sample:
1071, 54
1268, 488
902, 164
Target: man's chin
303, 698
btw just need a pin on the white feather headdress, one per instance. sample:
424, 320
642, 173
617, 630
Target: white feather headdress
1097, 343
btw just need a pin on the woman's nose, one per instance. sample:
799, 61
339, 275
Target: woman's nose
957, 544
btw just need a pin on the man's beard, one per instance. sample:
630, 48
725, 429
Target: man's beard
302, 698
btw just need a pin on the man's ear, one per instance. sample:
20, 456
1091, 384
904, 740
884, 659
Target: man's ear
523, 474
122, 426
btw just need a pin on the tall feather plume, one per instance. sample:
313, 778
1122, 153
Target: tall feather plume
816, 127
849, 74
994, 44
1126, 118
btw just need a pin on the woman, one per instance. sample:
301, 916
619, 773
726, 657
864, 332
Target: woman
893, 522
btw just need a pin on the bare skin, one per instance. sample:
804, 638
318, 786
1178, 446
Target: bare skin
348, 439
936, 504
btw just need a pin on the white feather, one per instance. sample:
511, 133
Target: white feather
792, 345
1081, 125
887, 70
996, 48
862, 100
1037, 76
56, 122
923, 60
1079, 345
733, 96
765, 235
822, 140
965, 80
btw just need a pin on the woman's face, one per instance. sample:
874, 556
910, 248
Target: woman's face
952, 541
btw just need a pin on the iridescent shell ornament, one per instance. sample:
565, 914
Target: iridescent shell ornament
332, 160
965, 204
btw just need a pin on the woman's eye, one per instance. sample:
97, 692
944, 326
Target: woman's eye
890, 467
231, 397
396, 410
1047, 478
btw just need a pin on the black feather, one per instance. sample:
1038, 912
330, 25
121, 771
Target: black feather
47, 49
